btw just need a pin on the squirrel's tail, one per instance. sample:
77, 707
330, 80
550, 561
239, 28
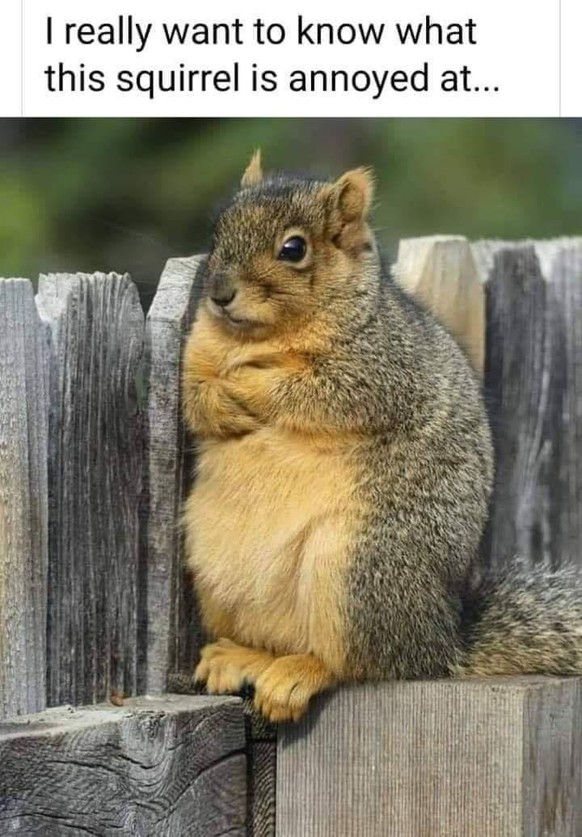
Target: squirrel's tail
523, 621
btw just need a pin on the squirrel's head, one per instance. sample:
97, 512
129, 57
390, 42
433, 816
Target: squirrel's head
285, 249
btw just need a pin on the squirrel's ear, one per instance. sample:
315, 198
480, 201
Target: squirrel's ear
350, 199
253, 173
354, 192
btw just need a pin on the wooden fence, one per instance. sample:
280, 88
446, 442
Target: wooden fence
95, 605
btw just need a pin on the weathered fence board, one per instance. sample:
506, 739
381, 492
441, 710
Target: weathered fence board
439, 759
95, 467
261, 751
173, 633
165, 767
440, 272
533, 380
23, 501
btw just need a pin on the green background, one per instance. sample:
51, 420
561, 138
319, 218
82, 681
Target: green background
126, 194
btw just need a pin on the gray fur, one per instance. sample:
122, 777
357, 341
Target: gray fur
425, 477
525, 620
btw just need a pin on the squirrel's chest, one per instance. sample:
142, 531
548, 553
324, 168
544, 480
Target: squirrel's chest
269, 523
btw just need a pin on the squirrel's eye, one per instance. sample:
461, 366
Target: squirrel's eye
293, 250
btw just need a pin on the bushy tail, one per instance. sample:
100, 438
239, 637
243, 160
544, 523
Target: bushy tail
523, 621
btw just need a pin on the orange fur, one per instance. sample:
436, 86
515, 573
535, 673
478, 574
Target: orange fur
267, 527
271, 514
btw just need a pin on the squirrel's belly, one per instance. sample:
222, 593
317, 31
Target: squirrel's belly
270, 522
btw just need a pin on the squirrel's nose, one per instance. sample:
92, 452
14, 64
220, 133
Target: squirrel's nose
223, 298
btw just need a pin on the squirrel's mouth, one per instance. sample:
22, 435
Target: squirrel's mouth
230, 318
237, 321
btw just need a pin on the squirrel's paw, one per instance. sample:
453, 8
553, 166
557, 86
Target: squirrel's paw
218, 670
225, 666
216, 408
283, 691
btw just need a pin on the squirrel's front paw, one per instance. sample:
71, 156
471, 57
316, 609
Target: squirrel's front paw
283, 691
216, 408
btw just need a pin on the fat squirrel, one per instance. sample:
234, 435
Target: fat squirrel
344, 470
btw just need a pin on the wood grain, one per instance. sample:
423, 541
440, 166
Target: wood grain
261, 750
23, 501
533, 379
167, 767
262, 788
435, 759
95, 469
440, 272
173, 631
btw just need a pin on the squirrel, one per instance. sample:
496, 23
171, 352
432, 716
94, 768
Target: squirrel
344, 468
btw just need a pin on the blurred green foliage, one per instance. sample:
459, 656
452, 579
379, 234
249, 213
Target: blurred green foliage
126, 194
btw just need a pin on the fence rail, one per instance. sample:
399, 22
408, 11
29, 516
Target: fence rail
94, 465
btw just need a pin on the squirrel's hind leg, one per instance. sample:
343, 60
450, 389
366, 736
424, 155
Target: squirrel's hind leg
226, 667
283, 690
